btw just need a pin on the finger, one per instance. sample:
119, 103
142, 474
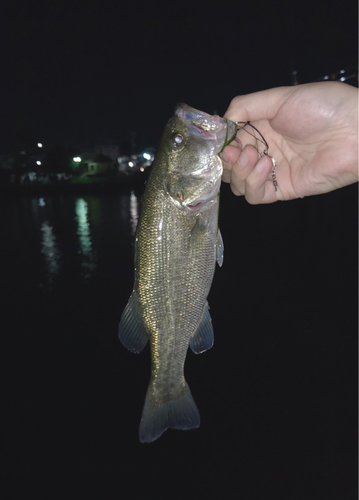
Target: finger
258, 105
230, 155
226, 176
242, 168
259, 187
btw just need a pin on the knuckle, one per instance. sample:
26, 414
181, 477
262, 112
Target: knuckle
251, 183
235, 100
238, 176
252, 200
236, 191
234, 103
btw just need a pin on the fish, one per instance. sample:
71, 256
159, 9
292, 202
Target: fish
177, 245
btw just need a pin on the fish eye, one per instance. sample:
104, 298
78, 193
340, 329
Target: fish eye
177, 139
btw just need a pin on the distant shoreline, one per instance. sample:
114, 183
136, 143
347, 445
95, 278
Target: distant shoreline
100, 185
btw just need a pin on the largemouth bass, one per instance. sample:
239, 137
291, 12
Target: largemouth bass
177, 245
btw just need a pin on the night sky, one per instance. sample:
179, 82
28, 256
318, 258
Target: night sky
78, 72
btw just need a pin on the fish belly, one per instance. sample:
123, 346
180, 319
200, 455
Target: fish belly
175, 262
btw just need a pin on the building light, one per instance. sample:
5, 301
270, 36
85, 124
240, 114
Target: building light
38, 162
76, 159
146, 156
130, 164
39, 145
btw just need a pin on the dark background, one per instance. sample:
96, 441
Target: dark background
81, 71
278, 391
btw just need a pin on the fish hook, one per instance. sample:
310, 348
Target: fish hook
241, 126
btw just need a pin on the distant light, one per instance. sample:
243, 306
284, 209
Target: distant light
38, 162
342, 71
342, 79
142, 169
41, 202
326, 77
130, 164
146, 156
76, 159
39, 145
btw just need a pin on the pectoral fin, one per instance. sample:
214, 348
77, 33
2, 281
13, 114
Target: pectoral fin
220, 248
131, 330
203, 338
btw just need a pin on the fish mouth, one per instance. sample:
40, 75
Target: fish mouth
208, 127
231, 133
217, 132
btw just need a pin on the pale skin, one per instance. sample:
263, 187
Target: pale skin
312, 133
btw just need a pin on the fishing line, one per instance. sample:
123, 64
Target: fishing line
241, 126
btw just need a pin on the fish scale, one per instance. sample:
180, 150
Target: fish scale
176, 249
163, 262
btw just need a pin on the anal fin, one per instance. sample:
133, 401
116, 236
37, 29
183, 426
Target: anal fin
203, 338
131, 330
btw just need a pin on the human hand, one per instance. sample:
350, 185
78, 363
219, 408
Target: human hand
312, 133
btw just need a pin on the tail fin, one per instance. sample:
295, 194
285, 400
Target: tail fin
181, 413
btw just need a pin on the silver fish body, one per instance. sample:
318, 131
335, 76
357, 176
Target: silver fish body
177, 244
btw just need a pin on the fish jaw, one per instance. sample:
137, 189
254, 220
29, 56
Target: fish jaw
195, 168
209, 127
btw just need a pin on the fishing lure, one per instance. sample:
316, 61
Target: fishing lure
241, 126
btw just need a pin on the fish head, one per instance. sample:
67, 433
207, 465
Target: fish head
191, 144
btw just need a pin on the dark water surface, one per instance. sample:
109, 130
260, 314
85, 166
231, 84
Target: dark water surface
277, 392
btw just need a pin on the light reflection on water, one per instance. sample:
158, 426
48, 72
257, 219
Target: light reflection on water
89, 260
67, 238
134, 210
50, 250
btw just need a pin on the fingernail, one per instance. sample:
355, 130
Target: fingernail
262, 164
244, 158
